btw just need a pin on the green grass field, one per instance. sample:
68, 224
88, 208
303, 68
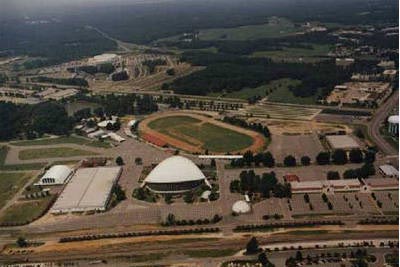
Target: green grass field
208, 135
10, 183
62, 140
54, 152
263, 90
282, 94
25, 211
276, 27
317, 53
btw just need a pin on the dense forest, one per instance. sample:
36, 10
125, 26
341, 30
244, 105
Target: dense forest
229, 72
65, 37
33, 121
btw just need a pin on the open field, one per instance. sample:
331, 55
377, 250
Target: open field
16, 167
53, 152
282, 94
276, 27
10, 183
196, 133
263, 90
288, 54
61, 140
268, 110
25, 211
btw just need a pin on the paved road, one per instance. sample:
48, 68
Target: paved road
380, 115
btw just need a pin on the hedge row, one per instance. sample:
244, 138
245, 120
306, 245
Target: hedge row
254, 227
380, 221
137, 234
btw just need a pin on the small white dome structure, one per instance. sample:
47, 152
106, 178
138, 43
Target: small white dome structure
240, 207
393, 127
176, 174
56, 175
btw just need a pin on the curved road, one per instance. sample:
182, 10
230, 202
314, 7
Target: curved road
380, 115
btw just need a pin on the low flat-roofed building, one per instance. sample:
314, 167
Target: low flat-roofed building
345, 142
326, 186
376, 184
388, 171
88, 190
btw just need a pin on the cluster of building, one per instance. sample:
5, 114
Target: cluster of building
360, 93
26, 96
86, 188
101, 130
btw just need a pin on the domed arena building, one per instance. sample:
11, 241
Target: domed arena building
174, 175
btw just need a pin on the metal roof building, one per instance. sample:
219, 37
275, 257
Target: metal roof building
388, 171
88, 190
174, 175
342, 142
56, 175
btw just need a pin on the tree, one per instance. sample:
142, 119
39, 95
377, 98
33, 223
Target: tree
138, 161
21, 242
170, 219
339, 157
299, 256
262, 258
119, 161
306, 198
252, 246
350, 174
188, 197
248, 157
333, 175
268, 160
212, 163
171, 72
234, 186
168, 199
289, 161
305, 160
369, 157
355, 156
323, 158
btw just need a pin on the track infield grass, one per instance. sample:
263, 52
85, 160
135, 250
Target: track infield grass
207, 135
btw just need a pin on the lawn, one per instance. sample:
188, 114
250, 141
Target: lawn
207, 135
17, 167
10, 184
263, 90
26, 211
54, 152
62, 140
282, 94
292, 54
276, 27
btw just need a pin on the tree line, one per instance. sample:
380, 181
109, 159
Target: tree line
267, 185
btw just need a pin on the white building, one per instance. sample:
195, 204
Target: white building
342, 142
393, 127
326, 186
389, 171
88, 190
56, 175
174, 175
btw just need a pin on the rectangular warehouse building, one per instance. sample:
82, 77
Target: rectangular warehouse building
344, 142
88, 190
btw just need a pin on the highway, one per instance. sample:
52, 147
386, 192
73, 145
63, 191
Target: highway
378, 118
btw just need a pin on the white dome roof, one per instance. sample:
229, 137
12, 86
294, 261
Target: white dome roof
241, 207
393, 119
58, 172
175, 169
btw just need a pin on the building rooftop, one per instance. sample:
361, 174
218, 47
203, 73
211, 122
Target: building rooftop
175, 169
88, 189
389, 170
342, 142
